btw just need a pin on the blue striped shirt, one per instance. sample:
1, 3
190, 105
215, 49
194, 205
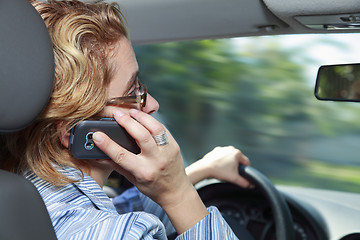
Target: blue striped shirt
83, 211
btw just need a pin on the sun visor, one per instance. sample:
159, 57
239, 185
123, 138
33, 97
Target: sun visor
173, 20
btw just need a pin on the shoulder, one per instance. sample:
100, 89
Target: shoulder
59, 195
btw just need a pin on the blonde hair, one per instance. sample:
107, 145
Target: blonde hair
83, 37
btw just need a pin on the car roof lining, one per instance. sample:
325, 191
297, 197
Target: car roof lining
173, 20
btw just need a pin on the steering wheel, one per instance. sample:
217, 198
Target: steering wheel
284, 227
282, 217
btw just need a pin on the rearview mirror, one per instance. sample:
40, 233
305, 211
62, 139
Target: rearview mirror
338, 83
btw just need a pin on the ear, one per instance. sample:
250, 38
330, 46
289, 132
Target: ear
64, 134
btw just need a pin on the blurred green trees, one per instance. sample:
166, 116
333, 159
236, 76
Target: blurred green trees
255, 96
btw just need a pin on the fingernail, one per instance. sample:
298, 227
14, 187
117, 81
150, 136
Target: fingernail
97, 137
118, 113
133, 111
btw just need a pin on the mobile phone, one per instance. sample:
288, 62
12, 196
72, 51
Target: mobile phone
82, 146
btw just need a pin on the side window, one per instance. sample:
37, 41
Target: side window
258, 94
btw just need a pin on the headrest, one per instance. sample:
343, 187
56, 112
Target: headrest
26, 65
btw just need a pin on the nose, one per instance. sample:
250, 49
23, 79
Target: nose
151, 106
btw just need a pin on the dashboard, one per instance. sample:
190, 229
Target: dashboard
317, 214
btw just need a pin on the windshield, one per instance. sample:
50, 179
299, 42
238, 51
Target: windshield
257, 94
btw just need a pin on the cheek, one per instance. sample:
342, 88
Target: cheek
114, 90
108, 111
117, 86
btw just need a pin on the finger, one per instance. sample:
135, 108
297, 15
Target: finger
136, 130
129, 176
117, 153
242, 159
123, 160
242, 182
150, 123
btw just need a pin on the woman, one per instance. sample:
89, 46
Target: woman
95, 67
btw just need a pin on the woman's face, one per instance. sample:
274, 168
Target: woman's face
125, 77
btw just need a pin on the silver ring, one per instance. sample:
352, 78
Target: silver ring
161, 139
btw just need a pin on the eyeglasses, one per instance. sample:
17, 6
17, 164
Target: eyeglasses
137, 96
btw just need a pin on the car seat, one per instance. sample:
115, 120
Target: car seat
26, 79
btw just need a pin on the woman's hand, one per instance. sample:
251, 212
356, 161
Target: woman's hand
158, 171
221, 163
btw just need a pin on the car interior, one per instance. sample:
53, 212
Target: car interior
266, 212
26, 75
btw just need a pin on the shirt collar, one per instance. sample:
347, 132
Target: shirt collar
87, 186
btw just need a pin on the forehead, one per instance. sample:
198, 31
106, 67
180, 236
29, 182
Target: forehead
125, 67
